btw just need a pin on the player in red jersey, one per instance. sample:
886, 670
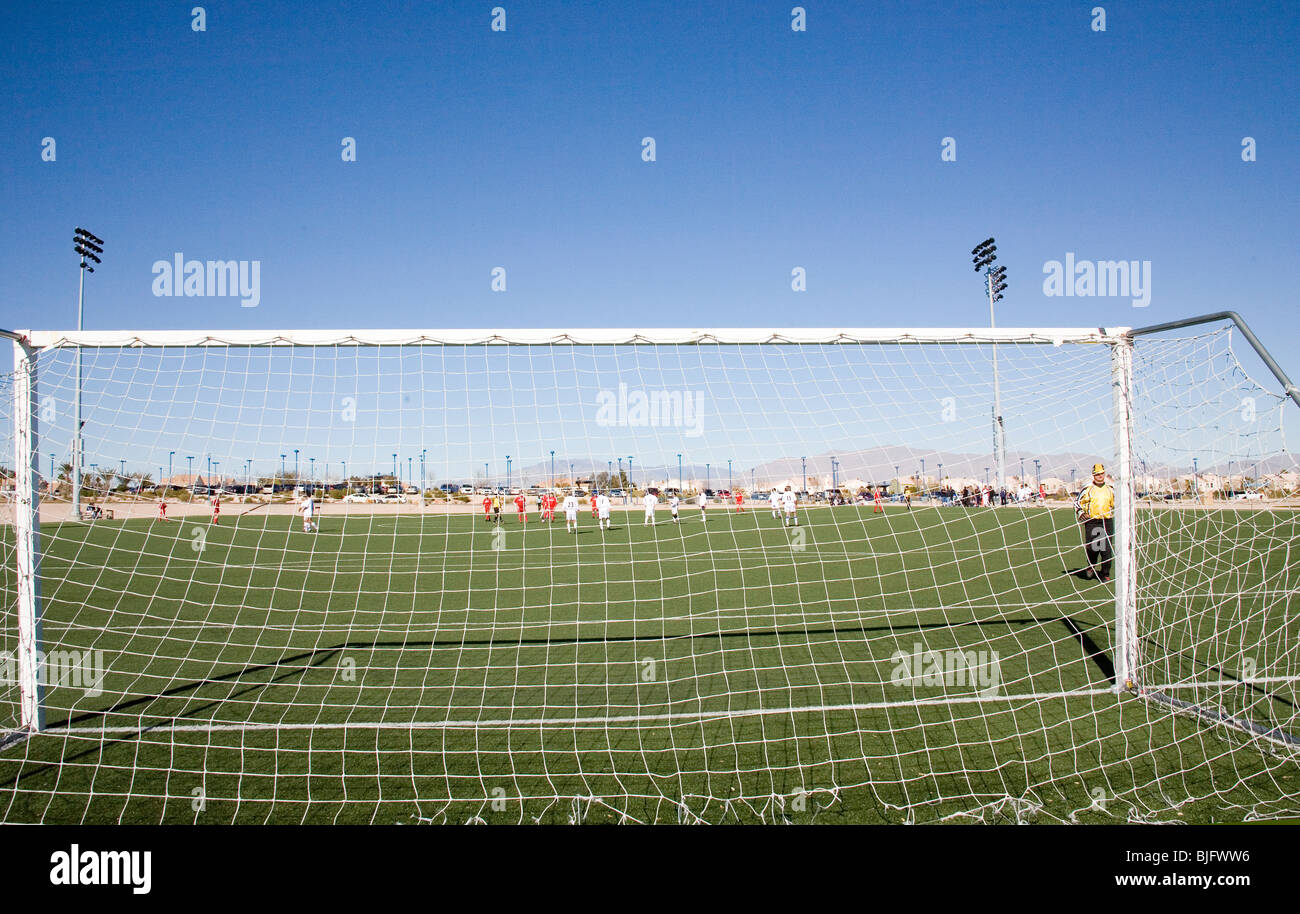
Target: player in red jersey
740, 501
162, 510
551, 502
487, 508
521, 504
216, 509
595, 515
878, 508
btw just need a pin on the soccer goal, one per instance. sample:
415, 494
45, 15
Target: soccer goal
312, 576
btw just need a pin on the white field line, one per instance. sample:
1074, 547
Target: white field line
584, 722
603, 721
812, 617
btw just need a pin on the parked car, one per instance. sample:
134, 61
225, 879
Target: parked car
392, 498
356, 498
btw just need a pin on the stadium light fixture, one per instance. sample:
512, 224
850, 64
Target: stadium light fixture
995, 282
88, 247
191, 473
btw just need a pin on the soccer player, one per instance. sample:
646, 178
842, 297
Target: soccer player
308, 510
496, 508
162, 510
1095, 507
551, 502
602, 507
595, 513
673, 502
487, 508
651, 501
740, 501
774, 498
521, 504
571, 513
878, 507
704, 507
216, 509
788, 502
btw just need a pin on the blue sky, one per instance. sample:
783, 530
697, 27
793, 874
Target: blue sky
775, 149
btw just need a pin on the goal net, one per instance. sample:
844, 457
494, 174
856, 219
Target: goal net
918, 640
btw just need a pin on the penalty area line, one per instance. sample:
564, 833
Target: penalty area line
516, 723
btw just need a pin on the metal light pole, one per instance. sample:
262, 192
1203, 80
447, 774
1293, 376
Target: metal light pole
1196, 477
804, 462
629, 478
89, 247
995, 282
507, 472
347, 488
170, 455
925, 486
941, 479
1038, 473
191, 473
729, 475
706, 476
296, 474
620, 468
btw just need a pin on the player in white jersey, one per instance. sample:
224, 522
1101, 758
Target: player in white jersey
602, 510
308, 514
651, 501
789, 502
571, 513
775, 499
704, 505
673, 502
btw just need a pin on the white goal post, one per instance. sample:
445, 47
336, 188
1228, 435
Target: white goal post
920, 640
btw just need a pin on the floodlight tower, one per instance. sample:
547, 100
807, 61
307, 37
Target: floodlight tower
995, 282
88, 247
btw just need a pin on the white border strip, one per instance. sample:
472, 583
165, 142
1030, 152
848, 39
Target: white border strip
46, 339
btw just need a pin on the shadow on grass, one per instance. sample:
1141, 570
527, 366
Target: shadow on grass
305, 661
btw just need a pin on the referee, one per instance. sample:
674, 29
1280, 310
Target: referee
1095, 507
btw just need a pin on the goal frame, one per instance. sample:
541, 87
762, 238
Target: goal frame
28, 344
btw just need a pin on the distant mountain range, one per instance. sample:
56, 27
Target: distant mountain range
883, 464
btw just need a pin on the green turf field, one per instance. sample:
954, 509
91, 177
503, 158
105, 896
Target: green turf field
432, 668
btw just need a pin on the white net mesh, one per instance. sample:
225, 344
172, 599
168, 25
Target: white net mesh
913, 660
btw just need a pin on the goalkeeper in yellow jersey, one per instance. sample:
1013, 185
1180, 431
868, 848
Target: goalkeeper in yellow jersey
1095, 507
